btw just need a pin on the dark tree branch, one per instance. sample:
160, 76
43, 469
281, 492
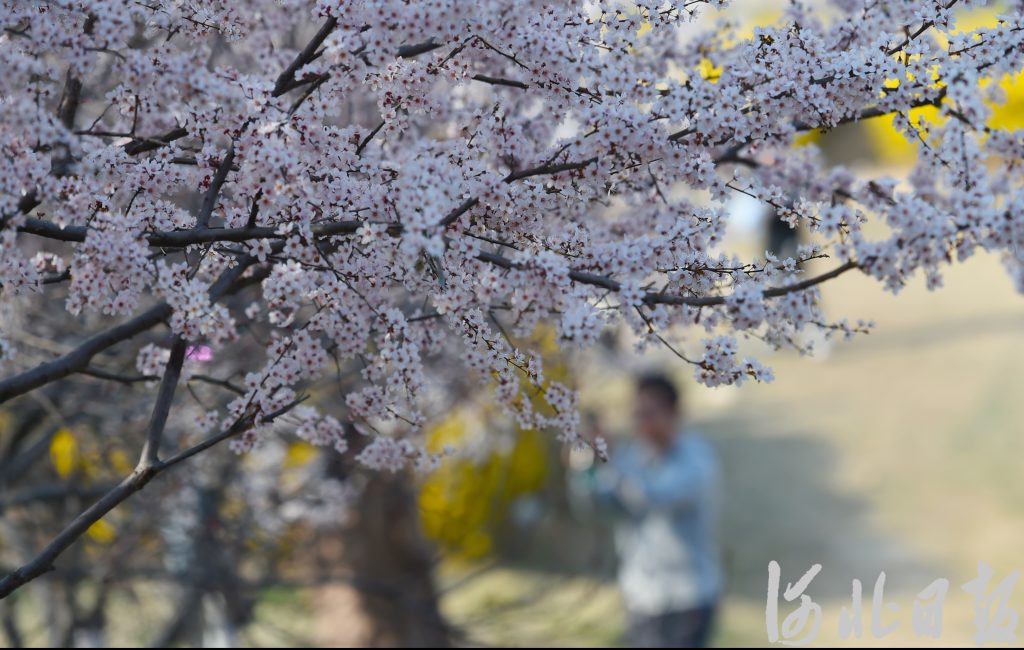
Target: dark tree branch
69, 102
162, 408
45, 493
411, 51
100, 373
370, 136
287, 78
138, 479
287, 82
652, 298
80, 357
212, 194
920, 30
867, 113
43, 562
142, 145
223, 383
190, 237
545, 170
498, 81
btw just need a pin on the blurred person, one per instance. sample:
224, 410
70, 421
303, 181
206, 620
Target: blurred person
661, 489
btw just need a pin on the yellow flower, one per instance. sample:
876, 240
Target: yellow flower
64, 452
101, 532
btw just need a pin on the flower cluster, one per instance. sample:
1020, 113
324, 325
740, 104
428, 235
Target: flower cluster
719, 366
394, 200
320, 430
389, 454
194, 316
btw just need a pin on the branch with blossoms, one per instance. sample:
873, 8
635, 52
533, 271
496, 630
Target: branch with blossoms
410, 190
148, 469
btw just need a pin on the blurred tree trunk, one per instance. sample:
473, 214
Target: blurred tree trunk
390, 599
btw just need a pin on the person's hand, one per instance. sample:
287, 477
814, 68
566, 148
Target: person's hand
582, 457
593, 428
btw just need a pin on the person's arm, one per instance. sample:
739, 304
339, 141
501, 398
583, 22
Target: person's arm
595, 490
676, 485
592, 484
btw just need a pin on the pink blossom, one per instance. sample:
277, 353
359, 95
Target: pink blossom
199, 353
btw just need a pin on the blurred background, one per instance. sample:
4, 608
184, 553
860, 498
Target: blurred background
897, 452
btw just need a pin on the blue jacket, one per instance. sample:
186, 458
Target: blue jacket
666, 509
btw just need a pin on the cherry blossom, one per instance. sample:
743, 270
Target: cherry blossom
392, 197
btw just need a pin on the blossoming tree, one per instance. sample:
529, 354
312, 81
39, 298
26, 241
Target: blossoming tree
389, 191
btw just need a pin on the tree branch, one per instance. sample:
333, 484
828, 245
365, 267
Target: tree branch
651, 298
80, 357
190, 237
56, 492
100, 373
165, 397
138, 479
69, 102
411, 51
210, 198
285, 81
142, 145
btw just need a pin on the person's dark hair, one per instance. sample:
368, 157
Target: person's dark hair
660, 386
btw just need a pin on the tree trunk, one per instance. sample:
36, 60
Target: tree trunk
389, 599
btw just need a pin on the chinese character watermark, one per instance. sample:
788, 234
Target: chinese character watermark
995, 621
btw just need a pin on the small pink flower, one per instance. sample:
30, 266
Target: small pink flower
200, 353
